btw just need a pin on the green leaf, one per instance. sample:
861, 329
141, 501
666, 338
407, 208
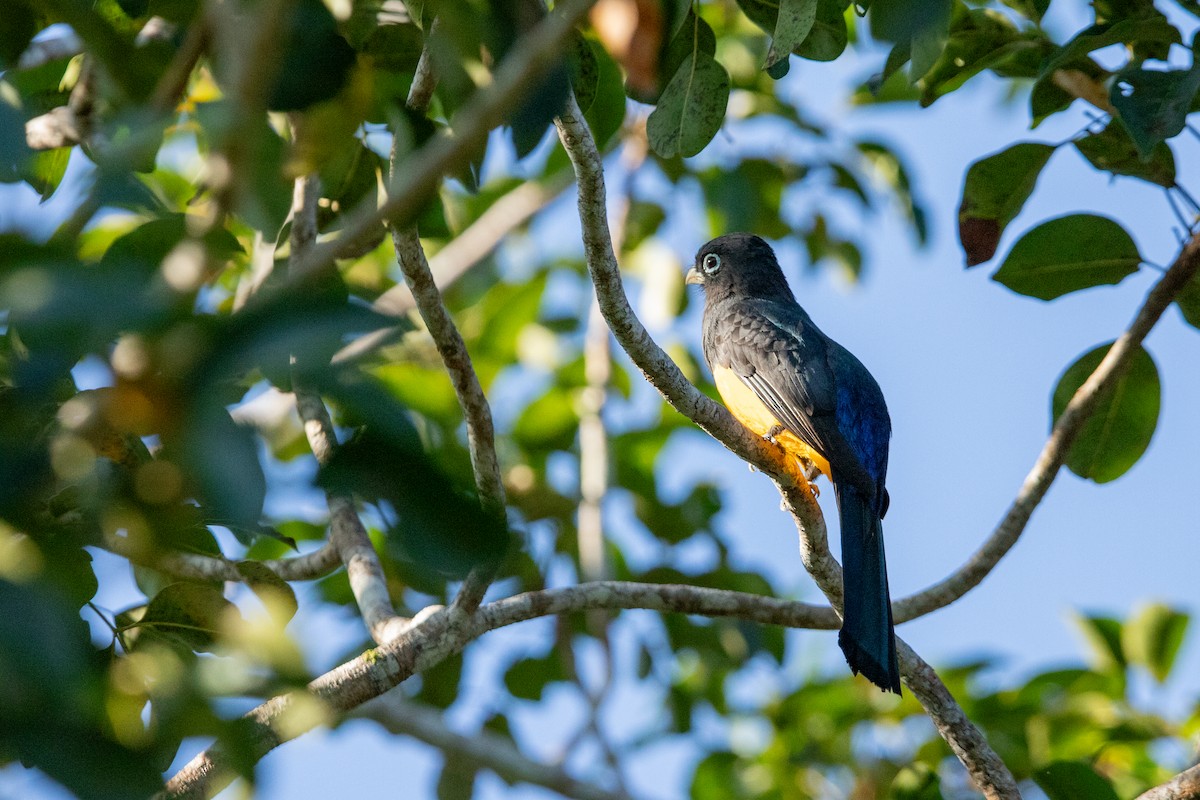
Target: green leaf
691, 108
1033, 9
916, 782
1073, 780
1155, 29
1154, 105
549, 422
187, 613
1188, 302
275, 593
902, 20
1120, 429
222, 458
829, 35
528, 678
607, 111
1103, 635
584, 71
14, 152
995, 190
45, 169
795, 20
716, 778
316, 60
1067, 254
457, 778
18, 24
1112, 150
1152, 637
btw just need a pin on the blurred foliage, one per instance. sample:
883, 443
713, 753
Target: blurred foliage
148, 339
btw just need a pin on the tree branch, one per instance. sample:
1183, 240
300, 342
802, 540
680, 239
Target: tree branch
346, 531
420, 173
481, 435
484, 748
1184, 786
307, 567
446, 631
1080, 408
461, 254
981, 762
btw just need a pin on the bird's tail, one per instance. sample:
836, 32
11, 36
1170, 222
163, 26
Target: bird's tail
867, 637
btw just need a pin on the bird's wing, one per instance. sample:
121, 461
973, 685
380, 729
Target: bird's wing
786, 361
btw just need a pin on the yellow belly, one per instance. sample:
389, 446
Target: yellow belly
747, 409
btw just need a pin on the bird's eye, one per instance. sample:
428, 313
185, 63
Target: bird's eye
711, 263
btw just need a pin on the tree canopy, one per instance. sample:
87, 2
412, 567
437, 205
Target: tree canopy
320, 329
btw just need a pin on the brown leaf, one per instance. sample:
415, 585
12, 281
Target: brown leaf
979, 237
632, 31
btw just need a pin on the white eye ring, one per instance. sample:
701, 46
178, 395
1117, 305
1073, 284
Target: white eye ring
711, 263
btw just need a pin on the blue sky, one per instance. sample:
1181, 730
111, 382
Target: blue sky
967, 368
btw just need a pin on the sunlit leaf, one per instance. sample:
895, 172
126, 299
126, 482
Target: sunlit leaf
691, 108
1068, 254
995, 190
1153, 104
1073, 780
187, 613
1113, 150
1120, 429
1152, 637
795, 20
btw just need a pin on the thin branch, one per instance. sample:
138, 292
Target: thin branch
346, 531
1055, 451
481, 436
419, 174
461, 254
483, 748
1184, 786
968, 743
446, 631
306, 567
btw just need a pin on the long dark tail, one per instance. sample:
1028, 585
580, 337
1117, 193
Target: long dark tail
867, 637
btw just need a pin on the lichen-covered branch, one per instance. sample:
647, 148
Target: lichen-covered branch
1054, 453
482, 748
1184, 786
346, 531
966, 740
481, 436
306, 567
446, 631
460, 255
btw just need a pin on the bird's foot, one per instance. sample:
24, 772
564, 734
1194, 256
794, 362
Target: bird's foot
772, 433
811, 472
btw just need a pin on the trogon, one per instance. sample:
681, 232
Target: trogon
786, 381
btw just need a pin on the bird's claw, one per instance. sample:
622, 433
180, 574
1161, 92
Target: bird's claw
772, 433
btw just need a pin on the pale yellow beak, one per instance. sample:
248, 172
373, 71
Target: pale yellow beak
694, 276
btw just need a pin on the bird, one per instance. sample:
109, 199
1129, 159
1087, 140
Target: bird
788, 382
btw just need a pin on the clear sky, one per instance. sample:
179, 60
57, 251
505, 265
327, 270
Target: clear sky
967, 368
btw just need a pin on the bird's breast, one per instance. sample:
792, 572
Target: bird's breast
747, 409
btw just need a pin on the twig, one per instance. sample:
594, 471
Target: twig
1184, 786
346, 531
962, 736
307, 567
419, 174
1054, 453
460, 255
481, 436
446, 631
484, 748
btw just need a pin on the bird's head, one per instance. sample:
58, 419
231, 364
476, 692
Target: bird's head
739, 263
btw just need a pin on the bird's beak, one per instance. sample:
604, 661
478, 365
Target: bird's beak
694, 276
